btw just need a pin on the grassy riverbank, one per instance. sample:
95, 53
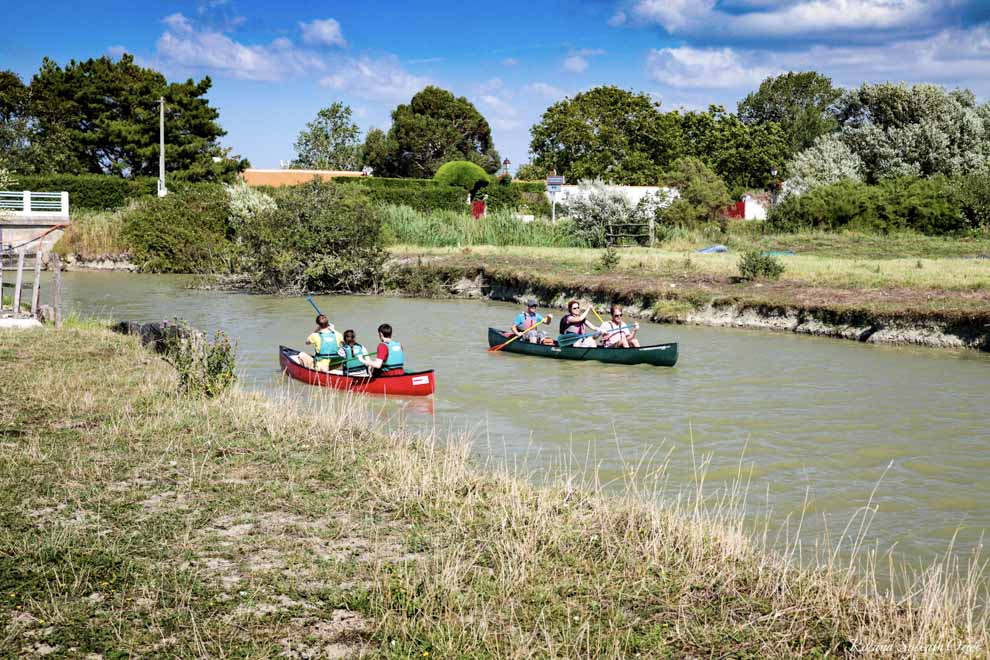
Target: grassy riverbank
138, 521
674, 286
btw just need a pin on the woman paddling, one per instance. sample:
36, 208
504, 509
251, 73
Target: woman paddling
575, 322
355, 356
617, 335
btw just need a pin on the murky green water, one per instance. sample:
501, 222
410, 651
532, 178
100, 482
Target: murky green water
813, 419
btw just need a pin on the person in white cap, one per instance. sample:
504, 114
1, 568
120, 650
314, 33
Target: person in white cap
528, 319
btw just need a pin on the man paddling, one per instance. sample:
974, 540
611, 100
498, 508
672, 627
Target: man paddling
389, 360
617, 335
526, 320
326, 341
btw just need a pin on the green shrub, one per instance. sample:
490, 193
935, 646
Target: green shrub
609, 260
754, 264
90, 191
205, 368
463, 174
500, 195
421, 194
933, 206
321, 237
183, 232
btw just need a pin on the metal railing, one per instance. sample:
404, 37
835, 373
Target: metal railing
27, 205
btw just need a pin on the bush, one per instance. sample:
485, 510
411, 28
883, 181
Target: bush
321, 237
600, 213
754, 264
205, 368
247, 203
703, 196
91, 191
183, 232
463, 174
933, 206
421, 194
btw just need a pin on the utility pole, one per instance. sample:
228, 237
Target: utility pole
162, 191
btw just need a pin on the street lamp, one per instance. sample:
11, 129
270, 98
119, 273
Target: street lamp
505, 167
774, 185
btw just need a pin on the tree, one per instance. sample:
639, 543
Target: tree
330, 142
106, 114
608, 133
702, 194
531, 172
742, 155
377, 151
433, 128
802, 104
920, 130
829, 160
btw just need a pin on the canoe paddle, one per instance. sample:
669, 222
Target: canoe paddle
309, 299
500, 346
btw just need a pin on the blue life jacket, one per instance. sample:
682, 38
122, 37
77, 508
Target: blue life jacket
396, 359
351, 353
328, 345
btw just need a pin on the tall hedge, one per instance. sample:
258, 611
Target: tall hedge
935, 206
184, 232
90, 191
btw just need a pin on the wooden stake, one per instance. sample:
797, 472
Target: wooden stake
17, 283
36, 289
57, 290
1, 270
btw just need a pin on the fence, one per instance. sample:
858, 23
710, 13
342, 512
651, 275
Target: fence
29, 205
18, 264
624, 234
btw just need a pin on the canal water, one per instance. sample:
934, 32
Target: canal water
814, 423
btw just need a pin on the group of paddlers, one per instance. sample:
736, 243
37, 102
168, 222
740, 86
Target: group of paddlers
575, 328
338, 353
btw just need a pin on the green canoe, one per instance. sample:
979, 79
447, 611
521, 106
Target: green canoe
659, 355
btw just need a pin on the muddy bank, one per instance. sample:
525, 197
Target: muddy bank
110, 262
668, 304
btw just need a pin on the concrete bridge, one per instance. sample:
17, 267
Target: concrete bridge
32, 217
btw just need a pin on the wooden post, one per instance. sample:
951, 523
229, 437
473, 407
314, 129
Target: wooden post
57, 289
2, 255
653, 231
19, 279
36, 289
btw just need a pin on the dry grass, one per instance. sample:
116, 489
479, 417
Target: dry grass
93, 235
140, 522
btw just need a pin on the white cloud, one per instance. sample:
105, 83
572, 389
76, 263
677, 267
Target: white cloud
282, 43
673, 15
322, 32
618, 18
116, 51
183, 45
499, 105
381, 79
779, 18
544, 90
510, 61
575, 64
702, 67
832, 15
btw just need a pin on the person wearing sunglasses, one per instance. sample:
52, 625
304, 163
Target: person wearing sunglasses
615, 333
526, 320
575, 322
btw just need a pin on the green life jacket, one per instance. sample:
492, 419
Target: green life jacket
396, 358
328, 345
351, 353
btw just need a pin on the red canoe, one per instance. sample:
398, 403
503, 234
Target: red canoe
414, 383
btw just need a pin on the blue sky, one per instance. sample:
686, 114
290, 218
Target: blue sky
275, 64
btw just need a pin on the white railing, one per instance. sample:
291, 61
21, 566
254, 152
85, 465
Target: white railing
27, 205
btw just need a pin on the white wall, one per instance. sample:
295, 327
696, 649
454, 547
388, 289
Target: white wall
632, 193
